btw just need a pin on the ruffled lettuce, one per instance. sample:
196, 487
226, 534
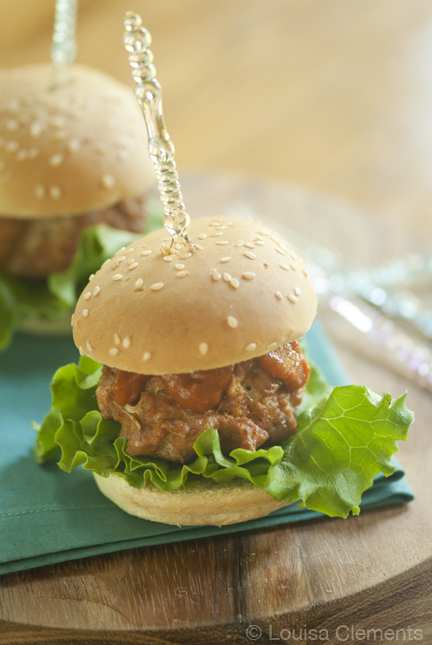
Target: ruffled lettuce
49, 299
345, 437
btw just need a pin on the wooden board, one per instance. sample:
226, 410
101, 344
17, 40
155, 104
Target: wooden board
368, 572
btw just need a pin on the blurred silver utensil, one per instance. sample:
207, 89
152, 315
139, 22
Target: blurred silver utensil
63, 47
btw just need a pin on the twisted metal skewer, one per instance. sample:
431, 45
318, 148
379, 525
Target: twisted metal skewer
148, 91
63, 47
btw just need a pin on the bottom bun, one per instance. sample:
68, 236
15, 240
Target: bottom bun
207, 503
60, 326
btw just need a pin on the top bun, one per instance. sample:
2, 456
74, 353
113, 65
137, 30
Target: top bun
65, 151
241, 293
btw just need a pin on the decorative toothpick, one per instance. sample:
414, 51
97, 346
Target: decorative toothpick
63, 47
148, 91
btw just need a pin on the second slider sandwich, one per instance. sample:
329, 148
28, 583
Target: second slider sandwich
71, 158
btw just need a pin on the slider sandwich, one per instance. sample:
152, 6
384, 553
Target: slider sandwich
193, 402
74, 172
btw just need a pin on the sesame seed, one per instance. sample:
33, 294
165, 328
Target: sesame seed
220, 228
203, 348
12, 146
89, 347
36, 130
126, 342
224, 260
138, 284
274, 239
147, 252
216, 275
185, 255
73, 145
179, 266
96, 291
120, 250
167, 258
156, 286
222, 242
279, 250
232, 322
72, 319
107, 181
182, 274
121, 258
146, 356
227, 277
239, 243
58, 122
40, 191
85, 313
249, 275
177, 246
87, 295
293, 257
264, 233
297, 291
217, 234
117, 277
202, 236
117, 339
259, 242
305, 273
278, 295
55, 192
292, 298
93, 275
133, 266
249, 245
214, 223
131, 250
12, 125
234, 283
80, 351
113, 351
197, 246
114, 265
22, 155
249, 255
293, 266
251, 347
272, 345
56, 160
284, 266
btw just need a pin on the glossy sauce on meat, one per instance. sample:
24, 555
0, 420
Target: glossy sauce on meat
249, 404
199, 391
287, 364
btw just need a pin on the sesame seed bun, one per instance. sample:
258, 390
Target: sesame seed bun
80, 147
207, 503
241, 294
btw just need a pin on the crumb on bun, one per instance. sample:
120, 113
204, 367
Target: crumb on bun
79, 147
240, 294
207, 503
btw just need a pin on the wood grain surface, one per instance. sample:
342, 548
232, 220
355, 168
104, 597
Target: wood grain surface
368, 572
334, 96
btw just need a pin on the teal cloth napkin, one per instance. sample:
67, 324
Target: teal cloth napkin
49, 516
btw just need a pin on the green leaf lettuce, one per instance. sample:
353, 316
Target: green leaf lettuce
344, 438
